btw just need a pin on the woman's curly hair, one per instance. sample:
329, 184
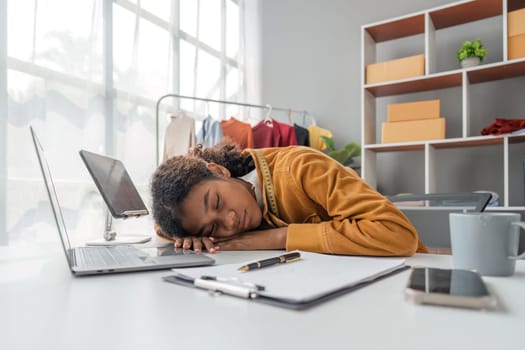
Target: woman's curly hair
175, 178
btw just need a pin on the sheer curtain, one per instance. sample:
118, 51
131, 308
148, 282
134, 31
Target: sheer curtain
86, 75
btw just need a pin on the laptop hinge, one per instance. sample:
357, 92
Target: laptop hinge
72, 257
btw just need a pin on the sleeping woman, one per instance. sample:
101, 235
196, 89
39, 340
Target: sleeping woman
295, 197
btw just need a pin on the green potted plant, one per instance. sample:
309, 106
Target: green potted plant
471, 53
345, 154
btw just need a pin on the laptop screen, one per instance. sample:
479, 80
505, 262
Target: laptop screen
115, 185
465, 201
53, 199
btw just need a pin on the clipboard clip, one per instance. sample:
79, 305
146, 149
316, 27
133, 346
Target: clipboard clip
221, 285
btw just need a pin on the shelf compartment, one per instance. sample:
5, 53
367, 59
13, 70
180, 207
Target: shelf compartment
479, 74
400, 28
403, 171
446, 143
468, 11
428, 83
474, 141
496, 71
396, 147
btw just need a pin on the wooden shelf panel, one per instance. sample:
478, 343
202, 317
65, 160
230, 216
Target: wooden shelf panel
426, 83
497, 71
515, 5
517, 139
395, 147
465, 12
402, 27
446, 143
468, 142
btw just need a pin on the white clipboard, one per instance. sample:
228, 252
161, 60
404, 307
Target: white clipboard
310, 280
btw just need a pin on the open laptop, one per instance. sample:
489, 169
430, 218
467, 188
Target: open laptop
111, 259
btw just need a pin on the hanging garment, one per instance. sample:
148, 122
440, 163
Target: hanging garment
287, 133
503, 126
210, 133
179, 137
239, 132
315, 134
302, 135
266, 134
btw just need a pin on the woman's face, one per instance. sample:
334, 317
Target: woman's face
220, 207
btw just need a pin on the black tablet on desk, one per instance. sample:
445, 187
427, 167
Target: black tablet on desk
115, 185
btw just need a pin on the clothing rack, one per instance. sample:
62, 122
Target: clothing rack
157, 121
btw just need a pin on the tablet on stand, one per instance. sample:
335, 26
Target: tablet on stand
120, 195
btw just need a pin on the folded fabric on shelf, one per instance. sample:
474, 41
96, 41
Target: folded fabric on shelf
503, 126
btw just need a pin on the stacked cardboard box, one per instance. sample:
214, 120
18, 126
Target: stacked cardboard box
413, 121
402, 68
516, 33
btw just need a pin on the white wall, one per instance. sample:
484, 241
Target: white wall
311, 60
311, 56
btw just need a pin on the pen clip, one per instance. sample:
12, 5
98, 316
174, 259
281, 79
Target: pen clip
234, 281
226, 287
293, 259
217, 285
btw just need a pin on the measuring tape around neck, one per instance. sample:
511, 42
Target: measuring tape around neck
267, 180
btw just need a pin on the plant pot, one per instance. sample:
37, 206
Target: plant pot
470, 62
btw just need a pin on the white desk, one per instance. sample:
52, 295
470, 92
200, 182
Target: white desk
42, 306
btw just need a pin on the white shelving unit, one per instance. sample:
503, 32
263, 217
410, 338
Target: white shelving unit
428, 23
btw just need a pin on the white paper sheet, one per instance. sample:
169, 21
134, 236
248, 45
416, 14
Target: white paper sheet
311, 276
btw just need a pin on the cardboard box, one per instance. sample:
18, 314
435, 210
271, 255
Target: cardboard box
402, 68
429, 109
516, 22
516, 46
413, 130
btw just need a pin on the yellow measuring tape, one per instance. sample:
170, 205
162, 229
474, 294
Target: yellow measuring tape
267, 179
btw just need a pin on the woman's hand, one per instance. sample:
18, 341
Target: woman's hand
195, 243
265, 239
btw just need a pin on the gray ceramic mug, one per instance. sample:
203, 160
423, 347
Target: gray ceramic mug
486, 242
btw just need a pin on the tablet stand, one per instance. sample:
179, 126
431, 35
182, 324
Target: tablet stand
110, 236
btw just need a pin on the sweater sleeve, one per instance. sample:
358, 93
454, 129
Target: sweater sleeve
352, 217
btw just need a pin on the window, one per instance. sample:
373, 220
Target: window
87, 75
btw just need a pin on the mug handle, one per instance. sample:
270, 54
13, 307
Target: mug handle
522, 255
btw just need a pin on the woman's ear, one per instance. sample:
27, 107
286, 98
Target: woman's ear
219, 169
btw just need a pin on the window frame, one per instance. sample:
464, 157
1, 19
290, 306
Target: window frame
110, 92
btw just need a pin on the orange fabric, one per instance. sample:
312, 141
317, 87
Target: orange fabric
239, 132
328, 208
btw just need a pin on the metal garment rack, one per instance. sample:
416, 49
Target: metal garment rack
157, 107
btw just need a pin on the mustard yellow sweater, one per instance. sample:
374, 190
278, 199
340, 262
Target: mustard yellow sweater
328, 208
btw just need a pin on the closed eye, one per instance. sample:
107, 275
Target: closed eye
218, 202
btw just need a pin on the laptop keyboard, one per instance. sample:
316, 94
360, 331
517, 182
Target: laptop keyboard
104, 256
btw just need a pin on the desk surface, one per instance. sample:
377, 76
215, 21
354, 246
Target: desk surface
42, 306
